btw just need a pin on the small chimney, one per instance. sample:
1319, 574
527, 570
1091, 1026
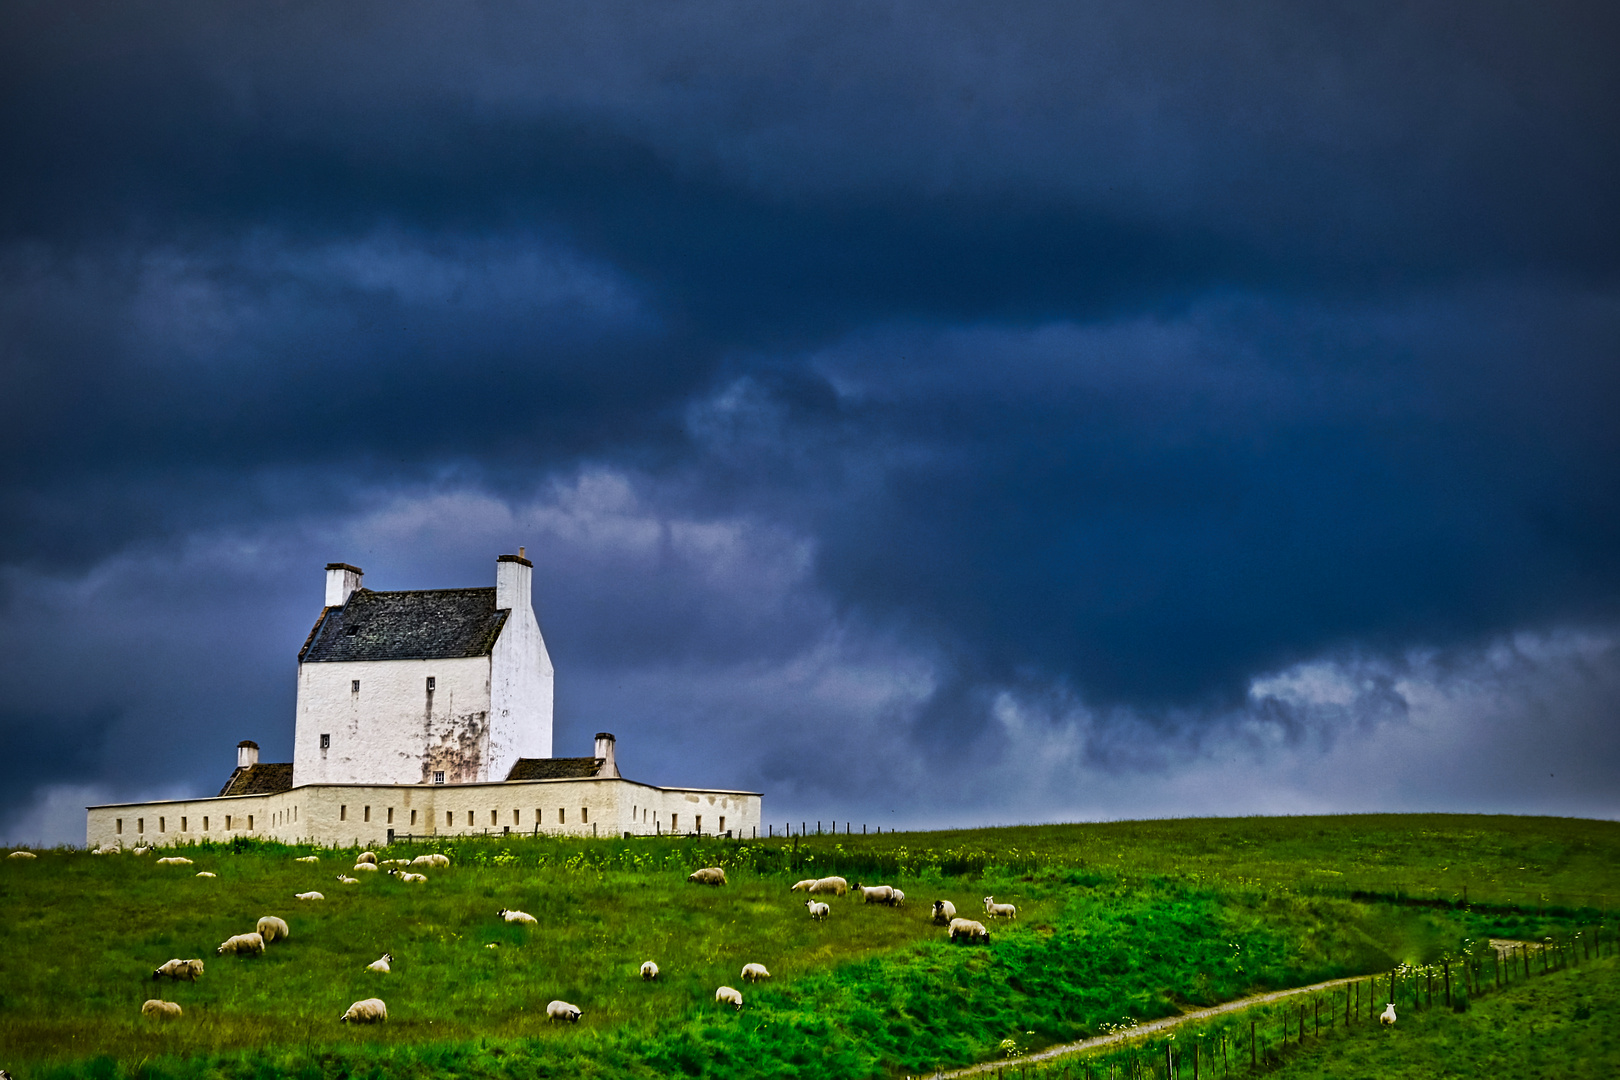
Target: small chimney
604, 750
247, 754
513, 580
341, 580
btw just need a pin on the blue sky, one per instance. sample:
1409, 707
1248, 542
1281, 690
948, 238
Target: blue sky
924, 414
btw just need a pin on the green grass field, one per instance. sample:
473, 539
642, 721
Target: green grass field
1137, 919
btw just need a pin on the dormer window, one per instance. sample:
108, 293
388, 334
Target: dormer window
438, 778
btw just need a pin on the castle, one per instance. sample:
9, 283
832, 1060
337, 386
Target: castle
425, 713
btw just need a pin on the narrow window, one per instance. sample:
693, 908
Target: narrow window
449, 818
354, 685
413, 817
295, 813
431, 683
469, 819
699, 826
722, 827
163, 825
539, 817
343, 813
182, 824
367, 814
517, 817
562, 815
390, 815
438, 778
492, 820
674, 820
326, 742
585, 815
250, 823
119, 826
205, 823
227, 823
140, 824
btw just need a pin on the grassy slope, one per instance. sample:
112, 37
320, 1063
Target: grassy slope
870, 990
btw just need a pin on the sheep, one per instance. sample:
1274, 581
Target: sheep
206, 873
968, 930
754, 973
308, 896
174, 860
649, 970
944, 912
367, 1011
408, 877
835, 885
179, 969
803, 886
366, 867
518, 917
160, 1010
22, 855
345, 880
1387, 1017
897, 899
875, 894
369, 857
249, 944
818, 910
272, 928
140, 850
395, 862
434, 859
381, 963
308, 858
709, 875
999, 911
561, 1010
727, 993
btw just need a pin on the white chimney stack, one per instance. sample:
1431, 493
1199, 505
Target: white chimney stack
341, 580
513, 574
604, 750
247, 754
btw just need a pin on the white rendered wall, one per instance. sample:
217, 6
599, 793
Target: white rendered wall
394, 731
521, 676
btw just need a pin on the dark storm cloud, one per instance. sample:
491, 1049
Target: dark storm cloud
1077, 367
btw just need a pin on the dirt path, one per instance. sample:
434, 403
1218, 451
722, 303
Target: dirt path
1150, 1028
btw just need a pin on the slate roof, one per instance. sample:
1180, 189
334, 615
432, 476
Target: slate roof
265, 778
424, 624
555, 768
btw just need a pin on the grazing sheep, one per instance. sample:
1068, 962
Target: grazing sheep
174, 860
875, 894
243, 944
160, 1010
366, 867
308, 858
344, 880
649, 970
272, 928
968, 930
108, 850
944, 912
206, 873
818, 910
408, 877
561, 1010
22, 855
518, 917
435, 859
754, 973
381, 963
709, 875
179, 969
835, 885
395, 862
308, 896
999, 911
897, 899
368, 1011
727, 993
1387, 1017
803, 886
141, 850
367, 857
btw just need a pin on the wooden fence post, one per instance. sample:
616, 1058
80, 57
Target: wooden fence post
1448, 984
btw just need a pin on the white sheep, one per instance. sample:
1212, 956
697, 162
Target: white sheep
897, 898
875, 894
381, 963
273, 928
395, 862
206, 873
174, 860
434, 859
729, 994
649, 970
22, 855
518, 917
754, 972
561, 1010
803, 886
308, 858
366, 867
346, 880
160, 1010
308, 896
243, 945
818, 910
1388, 1015
835, 885
367, 1011
999, 911
708, 875
179, 969
366, 857
944, 912
408, 877
968, 930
